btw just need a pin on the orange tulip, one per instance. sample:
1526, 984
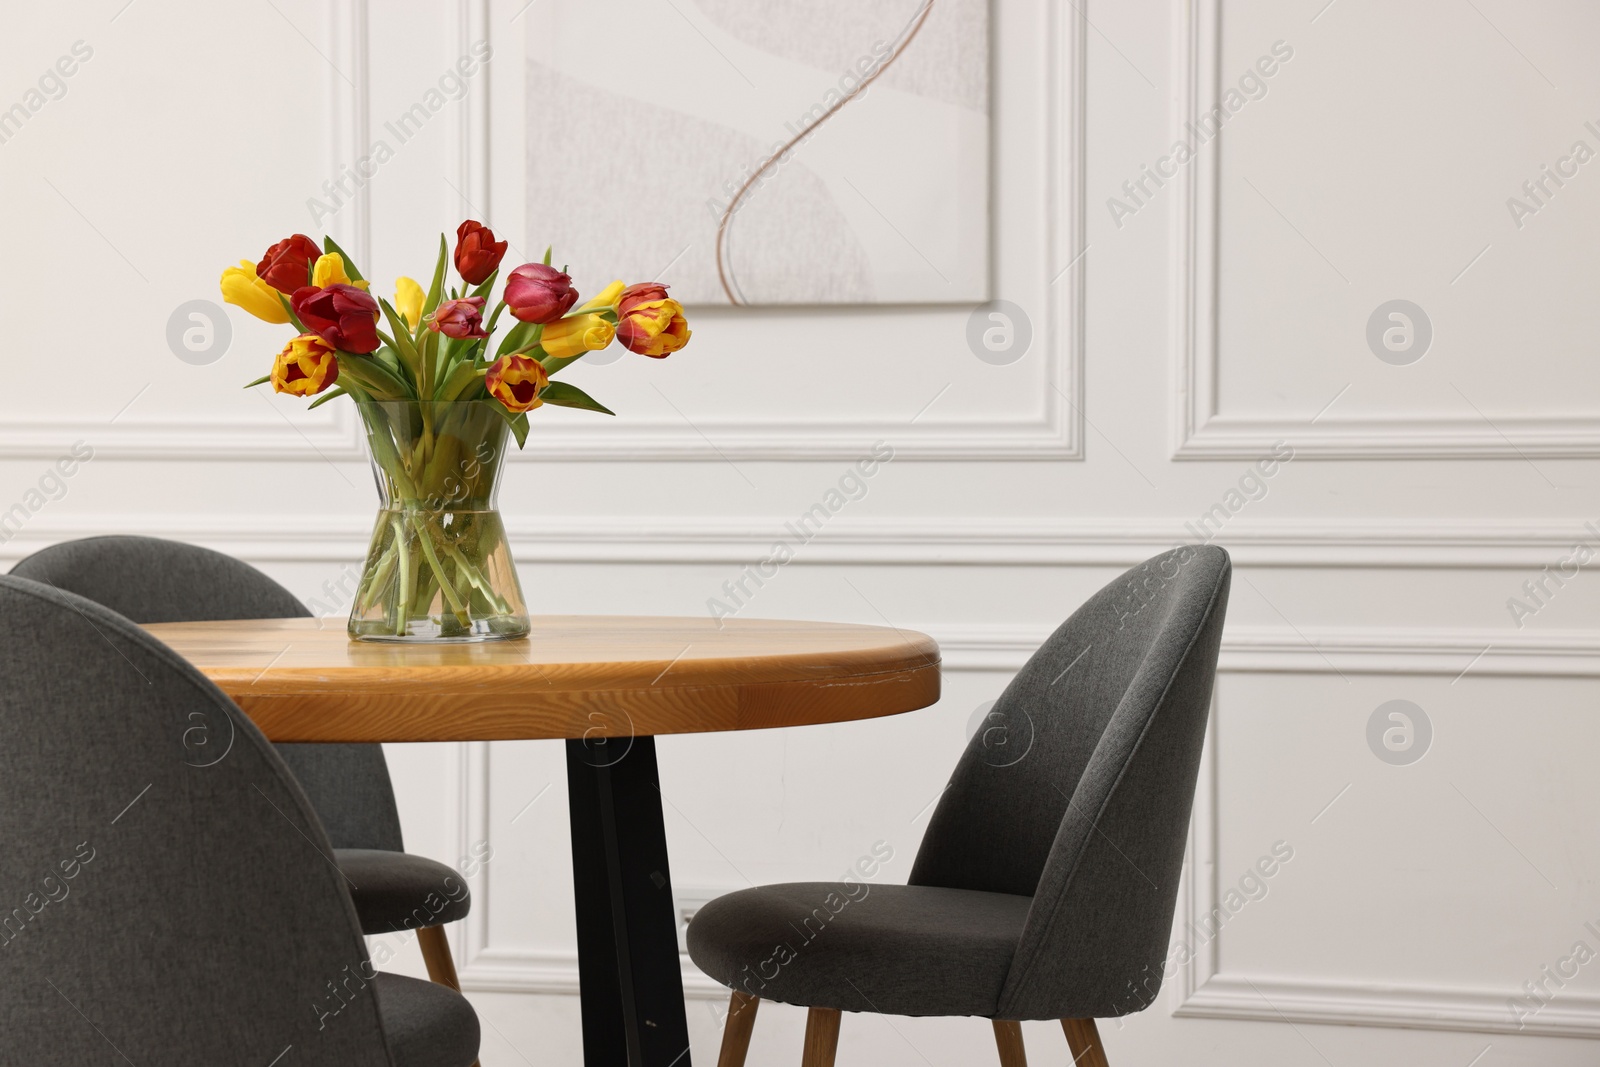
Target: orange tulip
305, 367
649, 322
516, 381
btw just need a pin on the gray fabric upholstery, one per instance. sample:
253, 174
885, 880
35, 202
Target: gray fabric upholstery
1076, 792
427, 1025
150, 580
397, 891
349, 786
156, 851
895, 949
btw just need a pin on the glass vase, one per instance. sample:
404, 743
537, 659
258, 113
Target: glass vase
438, 568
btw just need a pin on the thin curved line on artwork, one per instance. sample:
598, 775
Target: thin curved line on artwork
725, 269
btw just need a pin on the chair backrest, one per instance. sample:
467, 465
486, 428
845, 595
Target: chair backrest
166, 892
1077, 789
151, 580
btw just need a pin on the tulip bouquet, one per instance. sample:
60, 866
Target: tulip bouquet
437, 344
437, 407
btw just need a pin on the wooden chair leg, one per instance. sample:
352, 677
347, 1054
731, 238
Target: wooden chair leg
1083, 1038
436, 954
822, 1037
736, 1029
1008, 1038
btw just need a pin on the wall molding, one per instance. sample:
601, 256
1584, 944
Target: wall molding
1203, 989
555, 972
1225, 996
1455, 544
276, 434
1055, 433
329, 433
1412, 651
1200, 990
1199, 431
1044, 236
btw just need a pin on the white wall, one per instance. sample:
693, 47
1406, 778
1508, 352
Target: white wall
1228, 312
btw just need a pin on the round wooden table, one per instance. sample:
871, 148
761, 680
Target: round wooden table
608, 685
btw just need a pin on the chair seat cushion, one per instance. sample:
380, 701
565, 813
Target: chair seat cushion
426, 1025
891, 949
398, 891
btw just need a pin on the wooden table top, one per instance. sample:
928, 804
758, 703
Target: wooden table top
574, 676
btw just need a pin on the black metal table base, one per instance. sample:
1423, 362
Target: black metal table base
632, 989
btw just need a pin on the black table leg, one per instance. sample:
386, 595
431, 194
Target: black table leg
632, 989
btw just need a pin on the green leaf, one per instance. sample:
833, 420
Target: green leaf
390, 362
428, 354
288, 309
521, 336
488, 284
494, 317
402, 337
328, 245
264, 379
518, 423
436, 290
456, 381
547, 250
374, 377
567, 395
337, 391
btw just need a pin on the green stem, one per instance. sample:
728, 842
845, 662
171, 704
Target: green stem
425, 539
408, 580
476, 579
377, 578
386, 566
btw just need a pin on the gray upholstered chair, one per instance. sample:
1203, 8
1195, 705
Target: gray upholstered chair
155, 851
1045, 884
151, 580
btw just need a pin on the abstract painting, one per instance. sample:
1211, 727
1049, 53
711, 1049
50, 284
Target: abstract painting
646, 119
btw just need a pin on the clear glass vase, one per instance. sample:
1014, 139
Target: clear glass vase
438, 568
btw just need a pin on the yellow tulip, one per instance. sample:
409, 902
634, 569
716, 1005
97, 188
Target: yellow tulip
408, 298
606, 298
574, 336
329, 270
241, 288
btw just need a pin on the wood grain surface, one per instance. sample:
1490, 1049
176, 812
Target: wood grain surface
573, 676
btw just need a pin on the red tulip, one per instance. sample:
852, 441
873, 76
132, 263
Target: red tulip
537, 293
636, 294
459, 318
477, 252
287, 264
341, 315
